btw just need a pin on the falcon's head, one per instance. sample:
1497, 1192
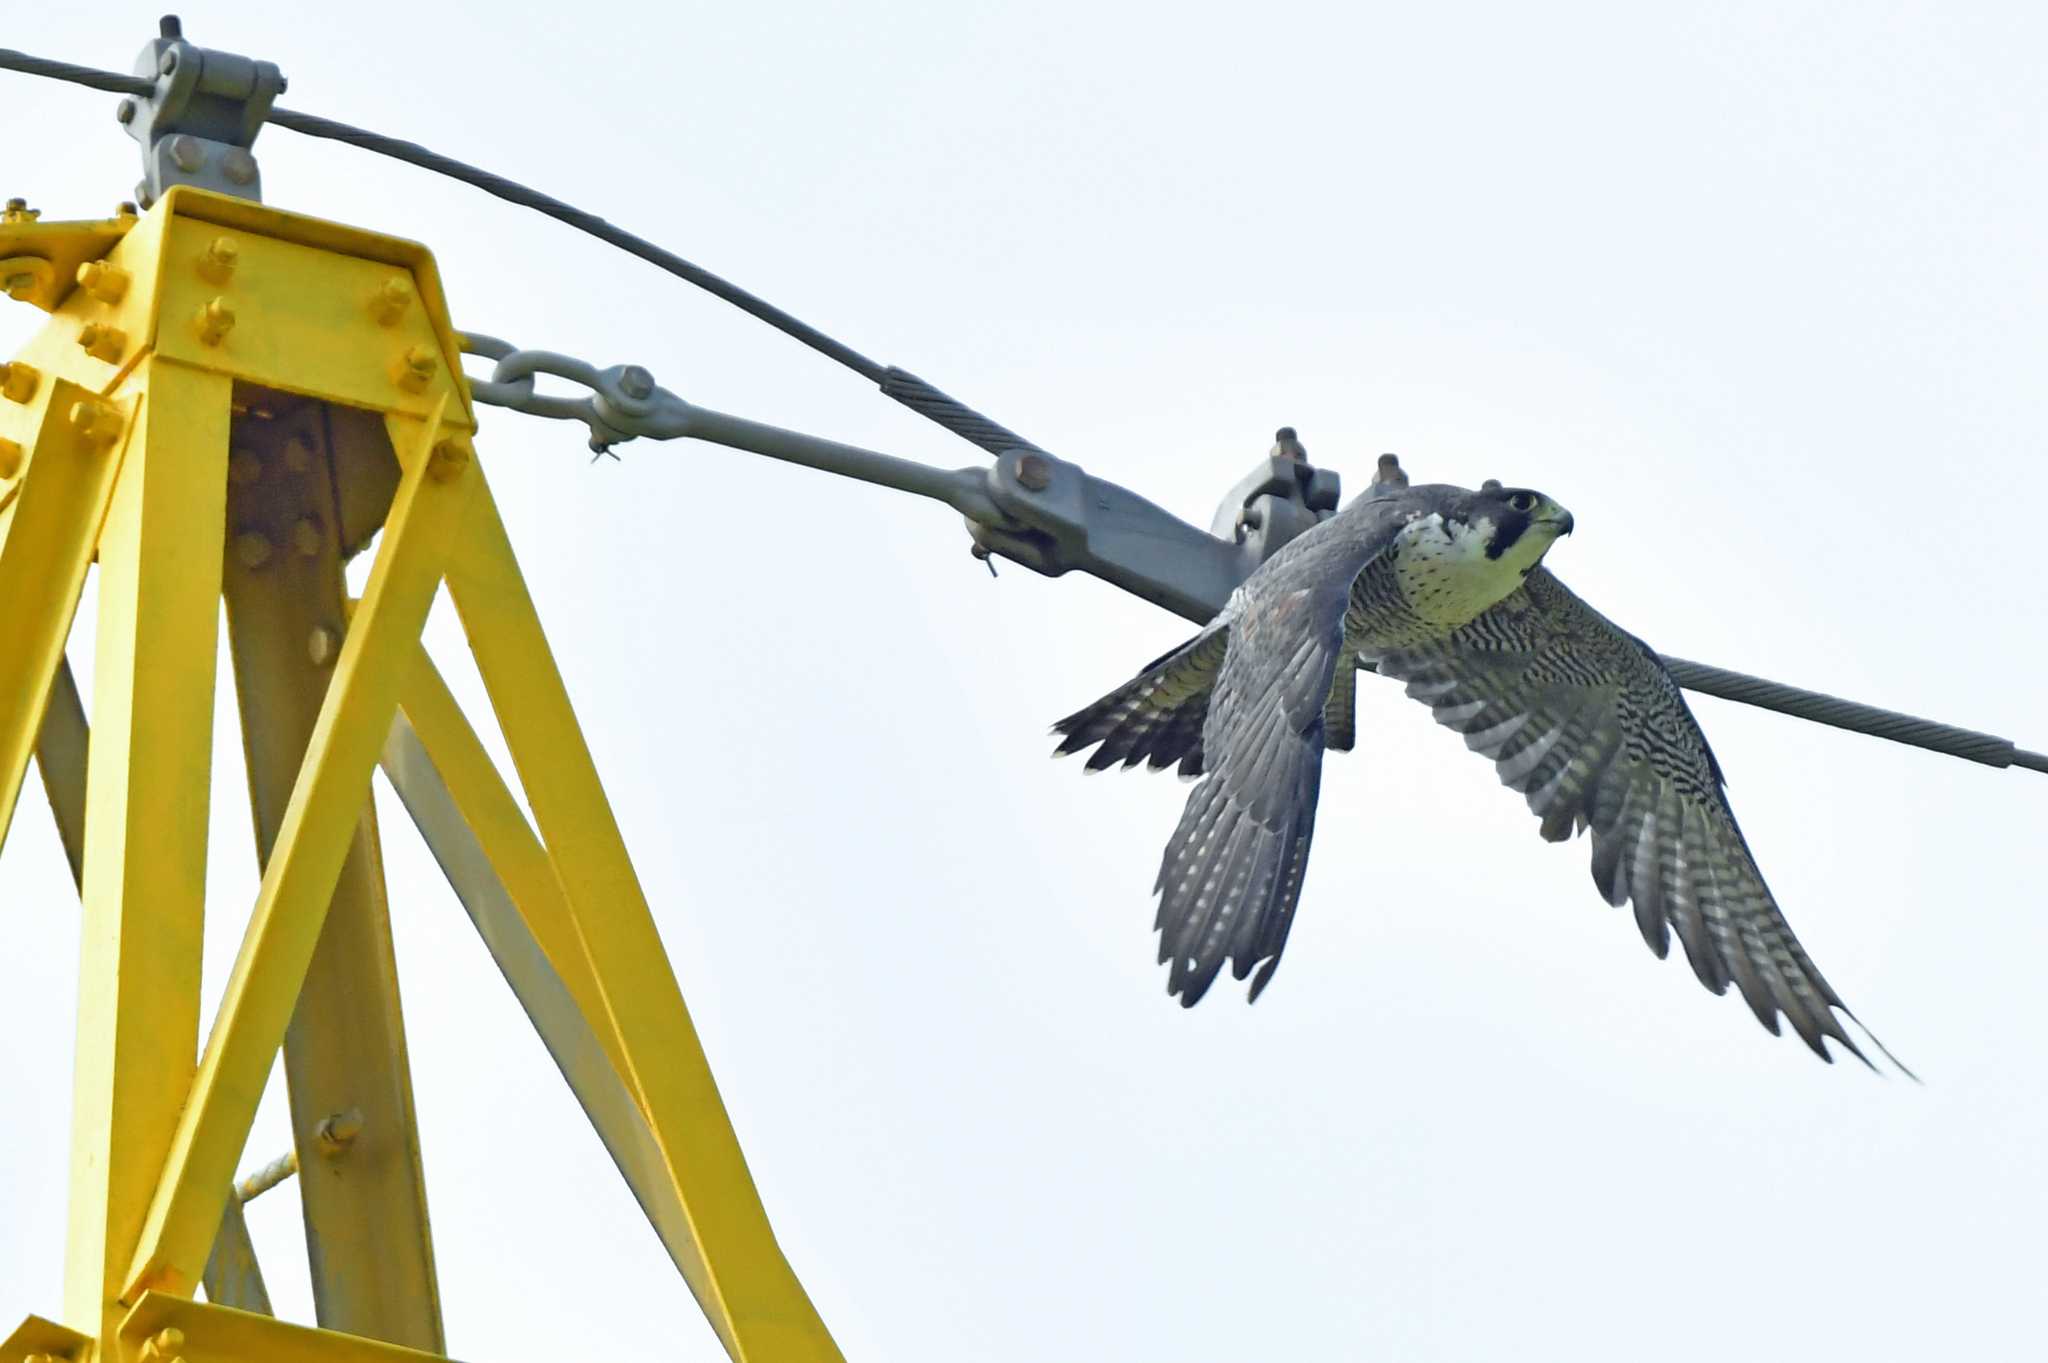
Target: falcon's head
1516, 525
1470, 549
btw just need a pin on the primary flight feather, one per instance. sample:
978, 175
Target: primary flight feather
1442, 588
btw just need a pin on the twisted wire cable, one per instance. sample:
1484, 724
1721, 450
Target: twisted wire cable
971, 425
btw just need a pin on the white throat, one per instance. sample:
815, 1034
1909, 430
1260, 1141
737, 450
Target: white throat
1443, 570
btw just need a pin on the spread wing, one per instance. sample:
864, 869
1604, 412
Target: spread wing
1157, 716
1232, 873
1231, 876
1582, 719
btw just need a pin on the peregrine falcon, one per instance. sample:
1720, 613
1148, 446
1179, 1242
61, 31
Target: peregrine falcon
1442, 588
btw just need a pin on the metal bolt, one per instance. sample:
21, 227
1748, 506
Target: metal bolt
391, 300
449, 459
338, 1132
10, 458
17, 210
1034, 473
102, 342
163, 1346
298, 453
96, 421
636, 383
124, 112
18, 381
217, 262
413, 370
306, 537
18, 285
168, 62
108, 283
244, 468
252, 549
186, 153
124, 209
323, 645
238, 166
214, 320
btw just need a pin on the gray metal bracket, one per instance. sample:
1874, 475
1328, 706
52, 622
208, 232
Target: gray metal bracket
197, 127
1029, 507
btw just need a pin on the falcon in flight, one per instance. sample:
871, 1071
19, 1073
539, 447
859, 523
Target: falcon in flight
1442, 588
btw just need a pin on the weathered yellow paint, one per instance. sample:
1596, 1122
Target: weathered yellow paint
313, 838
52, 525
145, 824
369, 1245
749, 1293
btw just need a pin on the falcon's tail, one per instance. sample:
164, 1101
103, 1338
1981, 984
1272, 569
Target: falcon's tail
1155, 717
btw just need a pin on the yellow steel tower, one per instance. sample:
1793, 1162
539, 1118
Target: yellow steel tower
230, 400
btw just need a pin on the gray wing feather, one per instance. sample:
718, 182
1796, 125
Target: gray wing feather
1157, 716
1582, 719
1232, 872
1340, 712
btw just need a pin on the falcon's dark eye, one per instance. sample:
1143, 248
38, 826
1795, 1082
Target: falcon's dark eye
1524, 502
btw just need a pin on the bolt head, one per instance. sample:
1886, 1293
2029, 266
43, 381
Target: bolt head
186, 153
214, 320
323, 645
636, 383
217, 262
239, 166
18, 381
252, 549
124, 112
168, 62
298, 454
244, 468
95, 420
1034, 473
448, 460
10, 458
391, 300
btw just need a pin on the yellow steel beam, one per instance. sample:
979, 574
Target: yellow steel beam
232, 1276
364, 1203
313, 839
60, 486
146, 808
745, 1286
61, 746
37, 1338
506, 838
164, 1327
569, 1033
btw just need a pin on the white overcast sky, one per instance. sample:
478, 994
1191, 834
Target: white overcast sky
1755, 289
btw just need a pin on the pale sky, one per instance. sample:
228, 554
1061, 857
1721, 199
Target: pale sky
1757, 292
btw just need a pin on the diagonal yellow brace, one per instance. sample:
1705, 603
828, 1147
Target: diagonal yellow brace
52, 528
313, 837
746, 1288
163, 1327
507, 840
